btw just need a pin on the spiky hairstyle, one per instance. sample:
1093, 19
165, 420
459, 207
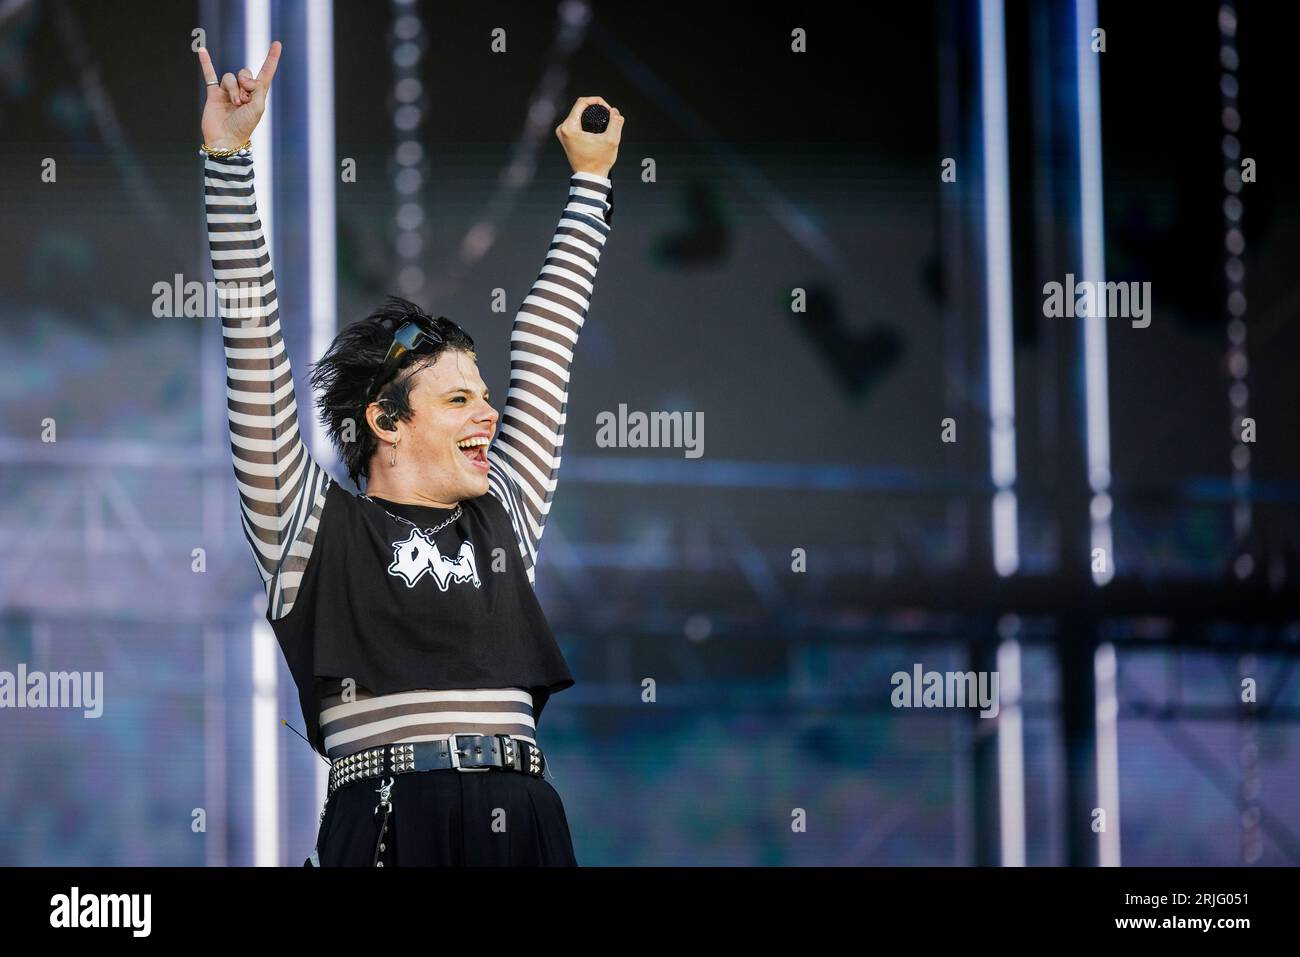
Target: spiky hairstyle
342, 376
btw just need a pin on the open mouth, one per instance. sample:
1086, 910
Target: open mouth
475, 449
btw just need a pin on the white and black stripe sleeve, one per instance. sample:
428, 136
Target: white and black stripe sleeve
281, 488
524, 458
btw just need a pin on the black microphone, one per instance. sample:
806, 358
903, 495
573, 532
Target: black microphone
595, 119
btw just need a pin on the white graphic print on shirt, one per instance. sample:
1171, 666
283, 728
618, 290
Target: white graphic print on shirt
418, 554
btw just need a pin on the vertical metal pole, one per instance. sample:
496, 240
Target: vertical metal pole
264, 650
322, 175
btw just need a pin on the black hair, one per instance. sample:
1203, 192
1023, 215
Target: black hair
344, 375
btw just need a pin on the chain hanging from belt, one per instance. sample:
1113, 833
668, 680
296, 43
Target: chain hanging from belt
385, 792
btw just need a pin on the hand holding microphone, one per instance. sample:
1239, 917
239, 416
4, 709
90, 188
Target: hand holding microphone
590, 135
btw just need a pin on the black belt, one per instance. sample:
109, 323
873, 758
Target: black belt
470, 752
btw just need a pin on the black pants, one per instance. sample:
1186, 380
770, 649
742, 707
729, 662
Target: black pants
448, 817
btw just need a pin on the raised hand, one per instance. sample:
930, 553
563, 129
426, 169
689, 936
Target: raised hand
590, 152
236, 103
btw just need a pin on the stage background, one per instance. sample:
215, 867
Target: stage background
775, 171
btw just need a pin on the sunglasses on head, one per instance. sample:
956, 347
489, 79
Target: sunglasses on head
410, 336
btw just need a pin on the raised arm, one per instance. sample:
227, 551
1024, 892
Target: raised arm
281, 488
524, 460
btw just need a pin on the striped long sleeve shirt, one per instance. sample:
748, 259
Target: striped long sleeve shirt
283, 490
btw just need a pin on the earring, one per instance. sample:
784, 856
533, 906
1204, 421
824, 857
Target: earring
392, 459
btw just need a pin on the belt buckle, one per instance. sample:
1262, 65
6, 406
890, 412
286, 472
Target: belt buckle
455, 755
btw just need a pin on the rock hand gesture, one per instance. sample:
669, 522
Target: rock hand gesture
235, 103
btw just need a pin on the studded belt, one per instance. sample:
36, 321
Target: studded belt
463, 752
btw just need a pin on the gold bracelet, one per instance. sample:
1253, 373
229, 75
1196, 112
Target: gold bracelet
227, 152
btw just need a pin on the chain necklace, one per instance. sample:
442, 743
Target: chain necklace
429, 531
